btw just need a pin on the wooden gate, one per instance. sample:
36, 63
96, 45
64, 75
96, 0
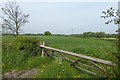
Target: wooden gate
87, 64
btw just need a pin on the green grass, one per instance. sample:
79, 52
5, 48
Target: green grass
49, 68
35, 62
88, 46
57, 70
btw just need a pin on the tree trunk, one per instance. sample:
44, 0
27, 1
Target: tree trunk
17, 33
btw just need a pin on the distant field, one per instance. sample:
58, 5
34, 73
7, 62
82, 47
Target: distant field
98, 48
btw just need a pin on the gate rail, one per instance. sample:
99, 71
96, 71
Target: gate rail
92, 60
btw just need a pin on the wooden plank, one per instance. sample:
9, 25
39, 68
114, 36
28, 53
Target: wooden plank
98, 66
79, 68
80, 56
86, 71
82, 64
74, 62
49, 54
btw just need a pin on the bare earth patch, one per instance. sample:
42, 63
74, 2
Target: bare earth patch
21, 74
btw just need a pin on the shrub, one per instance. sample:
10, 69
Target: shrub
26, 43
18, 52
22, 43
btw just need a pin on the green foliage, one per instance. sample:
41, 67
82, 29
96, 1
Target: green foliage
93, 34
60, 69
112, 15
100, 35
36, 61
47, 33
88, 34
16, 52
23, 43
11, 60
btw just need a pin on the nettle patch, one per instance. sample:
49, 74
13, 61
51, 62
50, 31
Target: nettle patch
18, 51
22, 43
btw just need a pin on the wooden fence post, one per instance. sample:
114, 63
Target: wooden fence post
43, 49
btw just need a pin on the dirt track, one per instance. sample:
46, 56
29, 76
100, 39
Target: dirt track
21, 74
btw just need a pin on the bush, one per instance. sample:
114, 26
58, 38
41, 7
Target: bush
18, 51
26, 43
21, 46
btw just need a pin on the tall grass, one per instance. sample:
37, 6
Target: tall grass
17, 51
60, 69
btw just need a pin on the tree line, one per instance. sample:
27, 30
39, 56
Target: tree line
85, 34
95, 35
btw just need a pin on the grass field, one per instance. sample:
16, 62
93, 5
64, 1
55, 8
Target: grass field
48, 68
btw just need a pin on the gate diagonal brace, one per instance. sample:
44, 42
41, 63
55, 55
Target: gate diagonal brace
72, 64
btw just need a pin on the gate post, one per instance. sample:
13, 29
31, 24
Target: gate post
43, 49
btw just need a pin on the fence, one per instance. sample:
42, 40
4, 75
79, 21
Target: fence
81, 62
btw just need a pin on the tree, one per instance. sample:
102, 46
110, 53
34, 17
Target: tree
100, 34
47, 33
13, 18
92, 34
113, 15
88, 34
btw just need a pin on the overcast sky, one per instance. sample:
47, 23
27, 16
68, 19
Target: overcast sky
62, 17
